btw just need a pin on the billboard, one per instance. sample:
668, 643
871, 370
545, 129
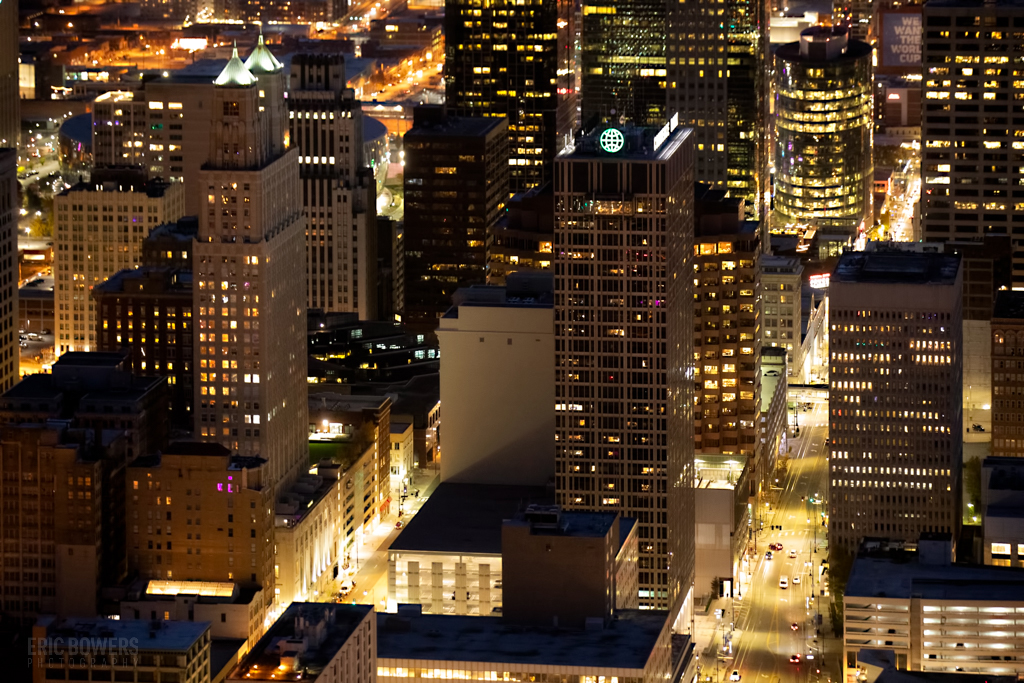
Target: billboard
900, 41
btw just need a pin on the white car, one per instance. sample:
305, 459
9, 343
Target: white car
792, 553
735, 675
796, 580
784, 582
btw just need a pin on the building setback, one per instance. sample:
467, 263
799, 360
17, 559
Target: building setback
456, 186
487, 73
623, 342
895, 402
248, 294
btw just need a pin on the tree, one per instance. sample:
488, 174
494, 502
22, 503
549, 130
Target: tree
840, 563
41, 226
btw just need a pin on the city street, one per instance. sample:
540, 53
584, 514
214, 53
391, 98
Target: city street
764, 639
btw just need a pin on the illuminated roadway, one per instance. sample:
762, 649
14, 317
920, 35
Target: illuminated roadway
765, 639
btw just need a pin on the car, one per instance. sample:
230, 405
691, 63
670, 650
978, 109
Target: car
794, 626
778, 546
735, 675
784, 582
794, 659
768, 555
46, 331
399, 524
796, 580
792, 553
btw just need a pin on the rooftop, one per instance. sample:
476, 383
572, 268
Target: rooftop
433, 121
235, 74
880, 667
444, 523
1009, 305
635, 144
173, 279
896, 268
551, 520
626, 643
400, 427
261, 60
173, 636
897, 573
325, 628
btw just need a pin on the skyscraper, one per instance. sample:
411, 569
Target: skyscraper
10, 103
699, 64
622, 58
9, 349
895, 401
727, 328
326, 125
624, 342
98, 229
824, 173
488, 72
456, 185
972, 170
249, 303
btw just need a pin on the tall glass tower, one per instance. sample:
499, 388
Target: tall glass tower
823, 165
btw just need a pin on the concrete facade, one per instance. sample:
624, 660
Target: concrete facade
896, 368
497, 388
10, 313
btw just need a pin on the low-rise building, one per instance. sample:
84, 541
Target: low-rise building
933, 615
722, 497
307, 538
326, 643
62, 649
1002, 509
637, 645
198, 513
94, 391
403, 459
234, 613
774, 397
450, 562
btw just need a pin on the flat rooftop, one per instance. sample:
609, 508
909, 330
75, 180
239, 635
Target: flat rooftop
174, 636
899, 574
1007, 473
896, 268
639, 146
263, 662
626, 643
1009, 305
454, 126
467, 518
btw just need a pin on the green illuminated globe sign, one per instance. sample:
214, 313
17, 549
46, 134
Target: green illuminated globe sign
612, 140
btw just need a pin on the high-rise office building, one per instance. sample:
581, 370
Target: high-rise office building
456, 186
781, 282
488, 73
10, 102
622, 62
120, 129
824, 173
624, 342
895, 401
147, 310
98, 229
700, 61
1008, 375
747, 91
727, 328
854, 15
338, 191
973, 163
9, 349
249, 298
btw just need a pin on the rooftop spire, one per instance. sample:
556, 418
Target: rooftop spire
235, 74
261, 60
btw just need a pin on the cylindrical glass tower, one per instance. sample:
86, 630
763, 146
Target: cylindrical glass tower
823, 166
